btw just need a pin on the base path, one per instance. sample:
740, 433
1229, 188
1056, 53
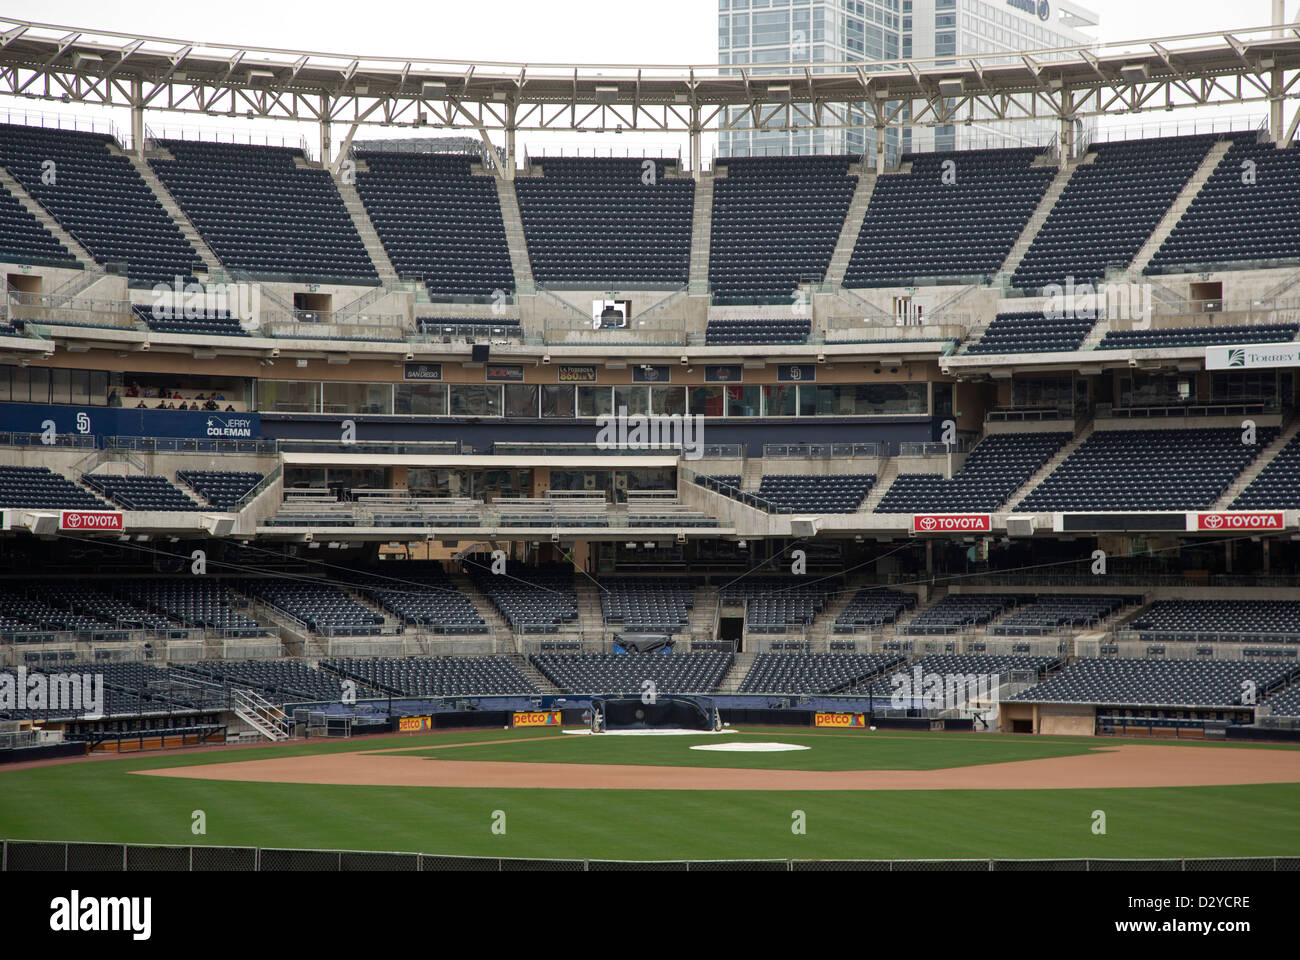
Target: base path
1128, 765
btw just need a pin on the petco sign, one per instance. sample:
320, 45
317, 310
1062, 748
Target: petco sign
839, 720
84, 520
952, 523
549, 719
1240, 521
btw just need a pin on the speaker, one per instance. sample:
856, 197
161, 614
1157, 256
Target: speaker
479, 352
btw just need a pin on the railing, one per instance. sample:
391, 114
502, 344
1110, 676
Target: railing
963, 445
823, 451
189, 445
9, 438
640, 330
59, 855
1236, 408
1029, 414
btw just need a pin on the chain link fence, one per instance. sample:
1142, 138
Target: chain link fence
41, 855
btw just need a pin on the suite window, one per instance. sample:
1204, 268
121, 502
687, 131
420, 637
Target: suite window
521, 400
594, 402
422, 399
475, 400
557, 401
636, 400
290, 396
667, 401
357, 398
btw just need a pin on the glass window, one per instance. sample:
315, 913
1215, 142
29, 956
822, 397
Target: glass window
706, 401
4, 382
357, 398
557, 401
521, 400
635, 399
61, 386
594, 402
427, 399
743, 401
40, 385
667, 401
290, 396
780, 400
475, 400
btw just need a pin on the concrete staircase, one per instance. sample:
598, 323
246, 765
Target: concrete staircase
752, 477
33, 206
1175, 213
1256, 467
884, 480
853, 221
179, 217
732, 679
361, 220
590, 617
1040, 215
514, 225
1057, 459
701, 233
700, 624
534, 676
491, 616
823, 627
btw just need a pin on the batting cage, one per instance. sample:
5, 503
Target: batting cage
659, 713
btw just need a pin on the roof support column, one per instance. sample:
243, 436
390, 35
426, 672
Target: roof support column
326, 147
1277, 102
137, 117
880, 148
695, 143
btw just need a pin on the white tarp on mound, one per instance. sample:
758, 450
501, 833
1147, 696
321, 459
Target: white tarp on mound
654, 732
750, 747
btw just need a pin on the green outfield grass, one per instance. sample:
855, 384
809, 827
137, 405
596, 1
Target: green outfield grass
102, 801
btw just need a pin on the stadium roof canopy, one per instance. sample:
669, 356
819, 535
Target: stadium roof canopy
104, 68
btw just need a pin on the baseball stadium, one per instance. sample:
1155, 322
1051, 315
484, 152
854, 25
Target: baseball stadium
886, 462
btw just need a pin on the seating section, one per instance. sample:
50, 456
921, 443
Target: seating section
1278, 485
195, 602
23, 239
1233, 221
999, 668
42, 487
1032, 332
206, 323
1162, 683
873, 607
279, 681
804, 493
813, 672
598, 222
140, 492
1286, 703
532, 599
999, 466
777, 604
647, 604
1147, 470
1109, 209
960, 611
100, 200
221, 488
439, 223
918, 226
776, 221
323, 607
263, 214
1218, 621
724, 332
1198, 336
1046, 615
420, 595
606, 673
130, 689
436, 676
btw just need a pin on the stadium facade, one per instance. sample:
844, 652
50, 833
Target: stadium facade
371, 434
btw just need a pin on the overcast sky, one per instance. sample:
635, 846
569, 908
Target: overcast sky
563, 31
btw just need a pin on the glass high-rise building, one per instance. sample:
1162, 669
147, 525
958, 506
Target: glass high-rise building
772, 35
